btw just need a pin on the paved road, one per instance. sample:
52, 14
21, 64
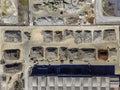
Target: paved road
100, 19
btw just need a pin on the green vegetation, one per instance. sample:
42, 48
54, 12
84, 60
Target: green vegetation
5, 6
23, 2
52, 7
22, 11
4, 14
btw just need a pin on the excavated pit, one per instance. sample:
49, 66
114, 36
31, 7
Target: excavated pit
58, 36
103, 54
12, 54
113, 52
109, 35
73, 53
13, 36
48, 36
87, 54
27, 35
68, 34
87, 36
63, 53
97, 36
37, 52
78, 37
13, 68
51, 53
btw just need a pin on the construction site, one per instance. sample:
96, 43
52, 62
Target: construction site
61, 12
59, 45
27, 52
